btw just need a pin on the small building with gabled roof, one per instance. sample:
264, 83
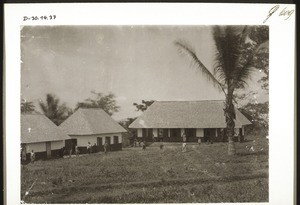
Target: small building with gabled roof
40, 134
168, 120
92, 125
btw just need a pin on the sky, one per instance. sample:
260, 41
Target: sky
133, 62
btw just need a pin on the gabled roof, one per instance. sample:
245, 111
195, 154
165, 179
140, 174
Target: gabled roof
89, 121
39, 128
186, 114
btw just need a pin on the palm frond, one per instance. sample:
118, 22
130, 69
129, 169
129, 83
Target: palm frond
228, 45
186, 49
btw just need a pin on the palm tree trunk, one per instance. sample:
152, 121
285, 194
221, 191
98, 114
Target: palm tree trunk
230, 116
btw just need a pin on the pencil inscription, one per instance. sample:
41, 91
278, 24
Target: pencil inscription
284, 12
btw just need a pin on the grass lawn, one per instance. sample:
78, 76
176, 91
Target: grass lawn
204, 173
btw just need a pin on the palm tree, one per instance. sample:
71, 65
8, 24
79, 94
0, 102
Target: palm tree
233, 63
27, 107
55, 112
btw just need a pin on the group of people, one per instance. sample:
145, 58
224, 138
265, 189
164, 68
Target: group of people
184, 145
90, 149
137, 143
94, 148
24, 155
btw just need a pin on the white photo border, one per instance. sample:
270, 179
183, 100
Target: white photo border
282, 68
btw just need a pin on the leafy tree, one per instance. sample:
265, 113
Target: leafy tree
258, 114
144, 105
53, 110
259, 45
27, 107
131, 133
125, 123
105, 102
233, 62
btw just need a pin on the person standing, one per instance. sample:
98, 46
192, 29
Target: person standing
144, 145
105, 147
89, 148
76, 150
183, 136
183, 147
32, 156
199, 141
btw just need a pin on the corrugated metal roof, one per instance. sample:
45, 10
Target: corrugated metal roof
186, 114
39, 128
88, 121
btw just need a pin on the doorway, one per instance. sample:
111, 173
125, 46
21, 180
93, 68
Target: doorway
70, 144
99, 141
209, 134
48, 149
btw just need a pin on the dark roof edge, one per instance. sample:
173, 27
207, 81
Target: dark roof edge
97, 133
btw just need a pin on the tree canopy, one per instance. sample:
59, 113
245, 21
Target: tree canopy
55, 111
105, 102
144, 105
27, 107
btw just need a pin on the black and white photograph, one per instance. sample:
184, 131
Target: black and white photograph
144, 113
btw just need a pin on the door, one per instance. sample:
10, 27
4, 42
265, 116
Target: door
48, 149
99, 141
190, 135
116, 140
175, 135
160, 134
209, 134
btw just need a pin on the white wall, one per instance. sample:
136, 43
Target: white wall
82, 140
57, 145
41, 146
155, 132
199, 132
36, 147
139, 133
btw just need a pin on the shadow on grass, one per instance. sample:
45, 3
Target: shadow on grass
251, 153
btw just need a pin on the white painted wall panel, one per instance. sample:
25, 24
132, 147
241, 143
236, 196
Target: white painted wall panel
155, 132
82, 141
199, 132
57, 144
139, 133
36, 147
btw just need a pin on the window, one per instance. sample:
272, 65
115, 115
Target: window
116, 139
107, 140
